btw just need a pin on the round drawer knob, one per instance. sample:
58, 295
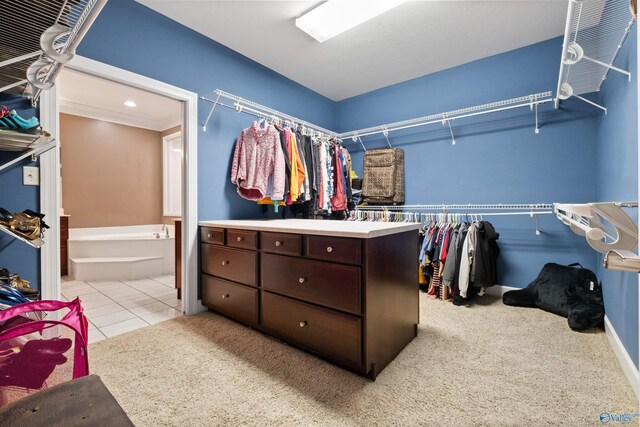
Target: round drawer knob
302, 280
278, 243
225, 296
225, 262
209, 236
303, 323
239, 239
329, 249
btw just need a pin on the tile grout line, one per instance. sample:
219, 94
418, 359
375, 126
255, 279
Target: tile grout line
141, 291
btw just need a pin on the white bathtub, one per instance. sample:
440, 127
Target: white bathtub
121, 253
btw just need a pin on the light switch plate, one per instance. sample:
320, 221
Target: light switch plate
30, 175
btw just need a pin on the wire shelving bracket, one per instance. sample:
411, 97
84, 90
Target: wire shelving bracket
607, 228
39, 38
594, 34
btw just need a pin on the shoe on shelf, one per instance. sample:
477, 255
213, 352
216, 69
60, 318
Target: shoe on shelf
5, 217
43, 225
26, 226
16, 282
12, 121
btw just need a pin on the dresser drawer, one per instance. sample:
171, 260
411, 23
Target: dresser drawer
212, 235
335, 249
244, 239
281, 243
332, 333
237, 301
332, 285
233, 264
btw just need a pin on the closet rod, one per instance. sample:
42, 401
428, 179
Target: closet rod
526, 207
444, 118
240, 104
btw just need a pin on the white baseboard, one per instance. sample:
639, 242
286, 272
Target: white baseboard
623, 357
499, 290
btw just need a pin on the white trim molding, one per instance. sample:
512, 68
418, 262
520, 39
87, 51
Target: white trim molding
499, 290
50, 198
50, 261
99, 113
171, 176
627, 364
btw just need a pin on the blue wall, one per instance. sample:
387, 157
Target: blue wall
617, 172
15, 255
133, 37
497, 158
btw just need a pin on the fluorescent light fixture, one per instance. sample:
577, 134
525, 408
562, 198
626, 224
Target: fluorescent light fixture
130, 103
337, 16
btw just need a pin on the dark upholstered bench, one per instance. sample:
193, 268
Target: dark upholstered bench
81, 402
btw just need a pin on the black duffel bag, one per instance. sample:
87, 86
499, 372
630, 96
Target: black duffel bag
569, 291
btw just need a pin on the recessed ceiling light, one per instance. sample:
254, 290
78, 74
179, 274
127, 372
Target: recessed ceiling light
130, 103
337, 16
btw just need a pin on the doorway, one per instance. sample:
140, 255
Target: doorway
120, 201
50, 171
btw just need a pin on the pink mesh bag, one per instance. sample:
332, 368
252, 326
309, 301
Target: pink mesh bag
37, 350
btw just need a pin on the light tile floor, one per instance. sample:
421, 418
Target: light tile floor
116, 307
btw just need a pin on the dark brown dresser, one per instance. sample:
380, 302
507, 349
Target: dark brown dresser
342, 290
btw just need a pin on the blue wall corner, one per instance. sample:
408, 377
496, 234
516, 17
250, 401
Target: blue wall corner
15, 255
617, 172
496, 159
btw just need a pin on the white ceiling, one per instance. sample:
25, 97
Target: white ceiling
414, 39
87, 96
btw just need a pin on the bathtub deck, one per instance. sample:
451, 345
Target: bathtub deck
120, 253
116, 268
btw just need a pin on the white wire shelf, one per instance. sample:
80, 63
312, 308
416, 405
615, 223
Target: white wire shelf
16, 141
531, 101
28, 145
23, 24
448, 208
594, 34
253, 108
242, 105
37, 243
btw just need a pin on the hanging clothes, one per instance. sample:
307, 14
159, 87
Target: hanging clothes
257, 159
338, 201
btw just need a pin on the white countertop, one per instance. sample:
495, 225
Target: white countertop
358, 229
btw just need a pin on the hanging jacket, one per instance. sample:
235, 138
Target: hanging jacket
467, 259
257, 158
452, 257
338, 200
486, 252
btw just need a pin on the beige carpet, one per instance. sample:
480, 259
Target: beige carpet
485, 365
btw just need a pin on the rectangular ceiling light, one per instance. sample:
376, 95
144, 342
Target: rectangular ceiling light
337, 16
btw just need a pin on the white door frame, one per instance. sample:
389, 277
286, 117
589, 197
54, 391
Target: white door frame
50, 173
166, 212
